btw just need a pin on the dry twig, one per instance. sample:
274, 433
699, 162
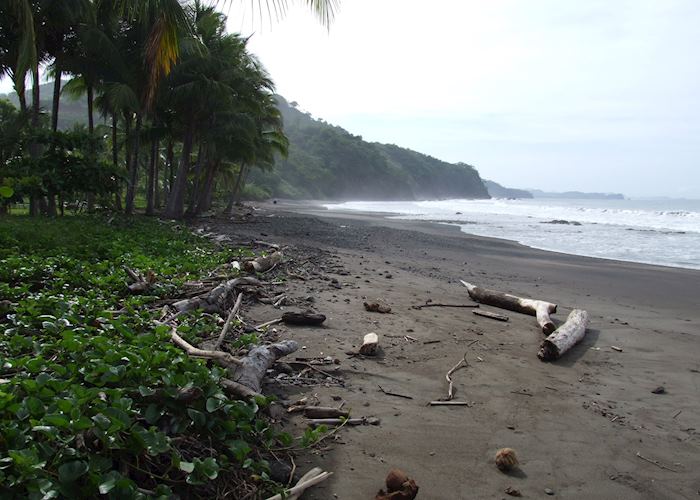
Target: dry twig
231, 315
655, 462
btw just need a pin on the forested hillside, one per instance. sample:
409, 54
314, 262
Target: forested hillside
327, 162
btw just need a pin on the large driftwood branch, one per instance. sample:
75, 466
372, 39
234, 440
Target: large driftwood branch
538, 308
246, 373
565, 337
219, 300
259, 359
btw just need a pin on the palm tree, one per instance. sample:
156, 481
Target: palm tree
61, 22
18, 45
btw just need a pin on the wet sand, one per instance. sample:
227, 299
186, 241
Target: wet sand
577, 424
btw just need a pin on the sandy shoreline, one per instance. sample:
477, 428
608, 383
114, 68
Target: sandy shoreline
577, 424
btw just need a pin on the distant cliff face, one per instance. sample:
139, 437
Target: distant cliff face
327, 162
498, 191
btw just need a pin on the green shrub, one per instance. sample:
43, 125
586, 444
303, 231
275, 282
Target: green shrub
95, 400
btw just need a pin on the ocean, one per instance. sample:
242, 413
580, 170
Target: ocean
660, 232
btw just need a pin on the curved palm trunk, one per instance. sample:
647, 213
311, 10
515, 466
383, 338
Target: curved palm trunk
22, 101
51, 197
176, 200
204, 199
169, 158
115, 161
133, 168
91, 129
197, 179
152, 177
36, 203
90, 104
56, 96
156, 186
234, 194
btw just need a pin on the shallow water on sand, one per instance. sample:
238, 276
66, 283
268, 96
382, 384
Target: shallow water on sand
661, 232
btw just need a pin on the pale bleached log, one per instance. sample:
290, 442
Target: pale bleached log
263, 263
565, 337
370, 343
252, 368
220, 299
538, 308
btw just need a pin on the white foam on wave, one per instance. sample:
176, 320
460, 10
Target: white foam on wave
664, 233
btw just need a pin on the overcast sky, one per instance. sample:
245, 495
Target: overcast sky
592, 95
558, 95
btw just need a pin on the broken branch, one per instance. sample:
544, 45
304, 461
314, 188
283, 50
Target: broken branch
488, 314
231, 315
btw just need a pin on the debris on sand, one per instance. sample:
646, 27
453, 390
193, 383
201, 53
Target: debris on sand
370, 344
506, 460
377, 306
398, 487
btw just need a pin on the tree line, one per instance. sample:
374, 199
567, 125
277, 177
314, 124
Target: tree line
188, 111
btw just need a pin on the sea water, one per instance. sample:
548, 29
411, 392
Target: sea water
661, 232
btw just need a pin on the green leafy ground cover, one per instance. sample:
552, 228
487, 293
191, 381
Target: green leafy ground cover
95, 403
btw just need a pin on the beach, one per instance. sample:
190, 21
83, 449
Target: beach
585, 426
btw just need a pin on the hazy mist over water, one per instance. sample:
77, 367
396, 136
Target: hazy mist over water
661, 232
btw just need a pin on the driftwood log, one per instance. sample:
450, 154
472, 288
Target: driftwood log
246, 373
370, 344
263, 263
309, 318
254, 365
538, 308
565, 337
324, 412
218, 300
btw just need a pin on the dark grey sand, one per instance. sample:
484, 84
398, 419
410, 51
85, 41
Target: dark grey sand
581, 421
